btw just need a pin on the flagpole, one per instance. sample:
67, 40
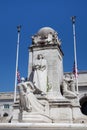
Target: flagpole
17, 56
75, 56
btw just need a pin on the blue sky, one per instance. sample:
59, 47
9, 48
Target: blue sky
33, 15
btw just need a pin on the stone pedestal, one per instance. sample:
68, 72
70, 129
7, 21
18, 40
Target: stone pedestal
61, 111
16, 112
35, 118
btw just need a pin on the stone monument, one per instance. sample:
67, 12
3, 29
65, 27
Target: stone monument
48, 96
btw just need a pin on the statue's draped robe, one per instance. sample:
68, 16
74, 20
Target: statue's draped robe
28, 99
40, 75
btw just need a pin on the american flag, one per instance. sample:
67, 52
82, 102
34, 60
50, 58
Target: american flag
18, 77
75, 70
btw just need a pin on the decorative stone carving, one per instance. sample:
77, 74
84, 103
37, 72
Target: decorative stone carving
28, 101
25, 92
46, 35
68, 85
40, 74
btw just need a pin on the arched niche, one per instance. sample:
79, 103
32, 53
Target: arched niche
83, 103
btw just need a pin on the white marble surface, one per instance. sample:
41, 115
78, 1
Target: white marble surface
42, 126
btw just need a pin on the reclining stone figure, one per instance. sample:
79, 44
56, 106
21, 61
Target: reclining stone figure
28, 100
